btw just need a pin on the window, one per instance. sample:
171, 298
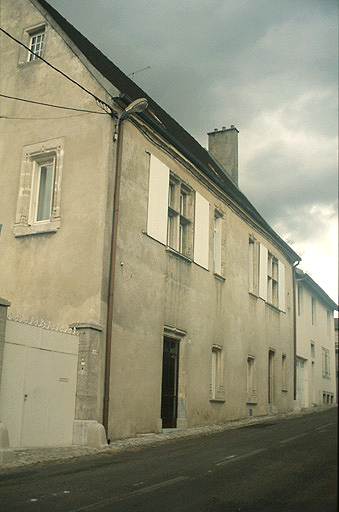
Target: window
36, 44
300, 299
251, 390
329, 322
314, 311
326, 363
271, 376
217, 388
177, 215
253, 269
43, 190
34, 38
179, 223
217, 242
38, 207
272, 280
284, 372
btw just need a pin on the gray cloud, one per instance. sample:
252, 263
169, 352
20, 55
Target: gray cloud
269, 67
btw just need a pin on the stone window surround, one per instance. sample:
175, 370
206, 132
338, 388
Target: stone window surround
217, 392
24, 224
251, 391
27, 34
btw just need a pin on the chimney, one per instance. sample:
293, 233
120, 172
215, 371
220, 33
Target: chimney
223, 146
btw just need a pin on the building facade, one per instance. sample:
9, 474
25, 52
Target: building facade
315, 362
118, 223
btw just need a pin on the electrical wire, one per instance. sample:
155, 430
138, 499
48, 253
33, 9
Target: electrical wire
101, 102
51, 105
44, 118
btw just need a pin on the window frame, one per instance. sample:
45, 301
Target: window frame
40, 51
251, 380
272, 280
25, 56
217, 393
217, 243
34, 156
313, 311
284, 372
253, 265
180, 217
326, 368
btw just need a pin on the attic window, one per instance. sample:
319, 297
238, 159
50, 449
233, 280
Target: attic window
36, 44
34, 40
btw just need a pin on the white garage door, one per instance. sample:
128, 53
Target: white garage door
38, 385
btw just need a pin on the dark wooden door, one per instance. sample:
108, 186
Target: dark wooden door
169, 396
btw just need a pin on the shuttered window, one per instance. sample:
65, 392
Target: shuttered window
272, 278
263, 258
158, 200
281, 287
201, 231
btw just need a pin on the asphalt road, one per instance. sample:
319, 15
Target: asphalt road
280, 465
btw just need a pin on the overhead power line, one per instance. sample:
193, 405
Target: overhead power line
14, 118
51, 105
101, 102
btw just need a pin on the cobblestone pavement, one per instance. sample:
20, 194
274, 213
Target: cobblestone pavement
25, 457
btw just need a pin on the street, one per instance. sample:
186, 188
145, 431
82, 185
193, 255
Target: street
281, 465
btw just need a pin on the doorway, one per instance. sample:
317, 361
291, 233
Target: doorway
271, 376
169, 390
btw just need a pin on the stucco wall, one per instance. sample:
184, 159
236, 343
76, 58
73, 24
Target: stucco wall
321, 334
58, 276
155, 288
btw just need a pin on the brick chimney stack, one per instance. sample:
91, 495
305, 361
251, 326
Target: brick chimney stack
223, 146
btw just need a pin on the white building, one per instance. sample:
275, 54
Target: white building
315, 350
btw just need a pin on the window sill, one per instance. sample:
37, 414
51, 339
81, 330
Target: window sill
219, 277
178, 255
252, 400
254, 295
36, 229
275, 308
23, 64
218, 400
284, 390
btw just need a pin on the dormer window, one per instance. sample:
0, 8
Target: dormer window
36, 44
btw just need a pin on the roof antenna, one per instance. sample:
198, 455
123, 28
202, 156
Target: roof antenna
138, 71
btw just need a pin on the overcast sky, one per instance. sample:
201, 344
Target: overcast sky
267, 66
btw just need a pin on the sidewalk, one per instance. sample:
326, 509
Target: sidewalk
26, 457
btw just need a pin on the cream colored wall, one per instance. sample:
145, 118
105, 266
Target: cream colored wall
321, 337
154, 288
59, 276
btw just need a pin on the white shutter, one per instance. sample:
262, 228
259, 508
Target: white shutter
201, 230
158, 200
281, 287
263, 272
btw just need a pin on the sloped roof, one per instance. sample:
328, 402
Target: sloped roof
316, 289
167, 127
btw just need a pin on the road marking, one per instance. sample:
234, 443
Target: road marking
326, 425
231, 458
144, 490
292, 438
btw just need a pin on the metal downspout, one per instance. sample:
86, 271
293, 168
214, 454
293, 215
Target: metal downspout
110, 301
294, 332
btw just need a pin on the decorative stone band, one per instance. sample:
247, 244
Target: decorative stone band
44, 324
